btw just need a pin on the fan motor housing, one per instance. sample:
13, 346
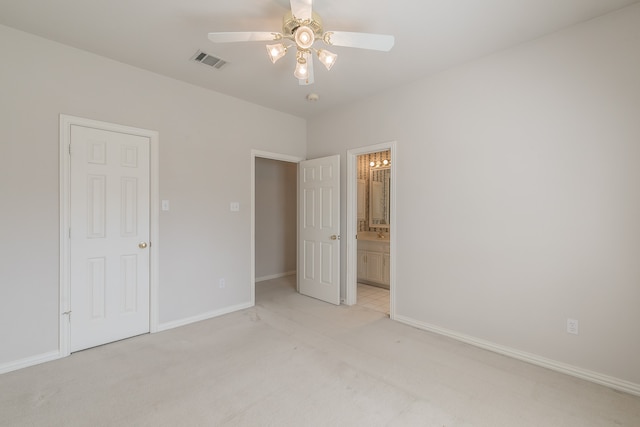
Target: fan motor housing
290, 24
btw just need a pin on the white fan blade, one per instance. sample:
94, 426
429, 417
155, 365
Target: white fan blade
301, 9
249, 36
309, 80
381, 42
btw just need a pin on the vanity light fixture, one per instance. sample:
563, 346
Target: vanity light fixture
379, 163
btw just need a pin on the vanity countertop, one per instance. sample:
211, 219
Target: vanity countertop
372, 236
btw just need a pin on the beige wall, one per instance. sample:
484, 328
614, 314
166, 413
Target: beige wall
518, 194
275, 221
518, 189
205, 152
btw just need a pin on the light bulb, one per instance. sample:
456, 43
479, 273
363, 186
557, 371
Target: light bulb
385, 162
372, 164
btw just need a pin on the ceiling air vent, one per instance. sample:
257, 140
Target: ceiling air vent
210, 60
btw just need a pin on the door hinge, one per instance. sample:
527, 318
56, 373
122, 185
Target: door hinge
69, 149
67, 313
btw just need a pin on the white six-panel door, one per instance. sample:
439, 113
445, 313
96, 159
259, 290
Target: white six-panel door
319, 229
109, 236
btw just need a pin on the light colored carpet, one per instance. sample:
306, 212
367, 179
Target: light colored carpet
295, 361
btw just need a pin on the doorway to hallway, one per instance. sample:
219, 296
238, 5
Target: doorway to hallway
275, 218
317, 226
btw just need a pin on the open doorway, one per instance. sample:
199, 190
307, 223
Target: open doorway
275, 222
374, 232
273, 218
371, 219
317, 226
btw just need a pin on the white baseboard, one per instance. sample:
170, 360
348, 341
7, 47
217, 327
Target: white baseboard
53, 355
275, 276
29, 361
203, 316
585, 374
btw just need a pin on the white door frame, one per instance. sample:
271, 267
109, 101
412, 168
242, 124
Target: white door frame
352, 223
272, 156
66, 122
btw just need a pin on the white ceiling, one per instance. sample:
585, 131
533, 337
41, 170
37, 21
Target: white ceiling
162, 36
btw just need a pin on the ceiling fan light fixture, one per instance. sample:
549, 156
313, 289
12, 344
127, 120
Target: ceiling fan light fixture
276, 51
327, 58
304, 37
301, 28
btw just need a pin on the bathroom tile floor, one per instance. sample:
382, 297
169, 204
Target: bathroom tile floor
373, 297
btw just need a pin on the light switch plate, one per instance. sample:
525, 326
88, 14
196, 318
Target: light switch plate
234, 206
165, 205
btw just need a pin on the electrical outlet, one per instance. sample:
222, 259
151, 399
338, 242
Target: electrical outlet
221, 283
572, 326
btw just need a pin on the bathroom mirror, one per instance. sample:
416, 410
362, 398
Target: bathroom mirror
379, 197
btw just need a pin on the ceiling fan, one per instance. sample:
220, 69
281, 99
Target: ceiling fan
303, 27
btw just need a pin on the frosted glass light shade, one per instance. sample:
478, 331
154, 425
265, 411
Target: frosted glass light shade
302, 71
304, 37
276, 51
327, 58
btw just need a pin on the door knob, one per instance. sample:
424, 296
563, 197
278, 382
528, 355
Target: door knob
335, 237
142, 245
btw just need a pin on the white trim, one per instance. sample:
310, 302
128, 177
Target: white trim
275, 276
276, 156
575, 371
154, 213
352, 224
154, 239
29, 361
65, 248
201, 317
263, 155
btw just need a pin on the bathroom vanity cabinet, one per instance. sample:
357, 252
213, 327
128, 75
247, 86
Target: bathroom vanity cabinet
373, 262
